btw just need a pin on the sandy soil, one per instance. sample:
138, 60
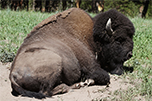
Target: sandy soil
90, 93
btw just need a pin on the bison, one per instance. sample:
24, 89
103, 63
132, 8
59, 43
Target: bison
70, 50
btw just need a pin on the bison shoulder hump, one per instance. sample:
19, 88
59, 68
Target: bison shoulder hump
63, 15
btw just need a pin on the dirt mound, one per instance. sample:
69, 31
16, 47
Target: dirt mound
83, 94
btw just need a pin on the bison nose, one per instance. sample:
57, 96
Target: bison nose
129, 55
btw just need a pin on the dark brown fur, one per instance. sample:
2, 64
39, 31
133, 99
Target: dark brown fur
116, 48
55, 56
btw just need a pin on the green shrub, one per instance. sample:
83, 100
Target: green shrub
127, 7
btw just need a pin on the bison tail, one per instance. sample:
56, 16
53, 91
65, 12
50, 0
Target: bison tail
18, 90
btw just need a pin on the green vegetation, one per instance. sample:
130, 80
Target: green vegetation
142, 58
14, 27
128, 7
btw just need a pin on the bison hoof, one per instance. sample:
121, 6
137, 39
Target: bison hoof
88, 82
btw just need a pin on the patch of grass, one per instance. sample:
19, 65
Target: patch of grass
142, 57
6, 56
14, 27
92, 14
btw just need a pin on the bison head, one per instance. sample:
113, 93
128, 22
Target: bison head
113, 33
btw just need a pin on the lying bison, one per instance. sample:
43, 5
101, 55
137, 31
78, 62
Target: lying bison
68, 47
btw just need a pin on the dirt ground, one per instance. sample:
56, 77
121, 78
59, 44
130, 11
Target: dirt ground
91, 93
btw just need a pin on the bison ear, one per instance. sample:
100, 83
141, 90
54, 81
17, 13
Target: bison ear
108, 27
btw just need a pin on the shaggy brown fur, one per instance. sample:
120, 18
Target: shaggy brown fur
56, 55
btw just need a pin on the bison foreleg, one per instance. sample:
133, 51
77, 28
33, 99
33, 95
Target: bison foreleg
63, 88
100, 77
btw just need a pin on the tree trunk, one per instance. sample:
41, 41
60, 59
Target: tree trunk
33, 6
26, 4
145, 9
30, 5
43, 5
94, 6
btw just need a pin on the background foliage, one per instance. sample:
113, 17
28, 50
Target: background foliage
128, 7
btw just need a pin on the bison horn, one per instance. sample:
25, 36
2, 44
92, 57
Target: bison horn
108, 27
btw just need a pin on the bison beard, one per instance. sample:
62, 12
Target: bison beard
61, 51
